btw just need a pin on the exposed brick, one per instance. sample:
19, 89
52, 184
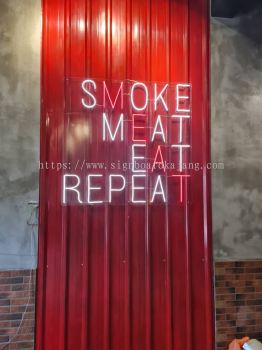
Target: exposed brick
23, 273
20, 301
21, 287
245, 322
4, 295
4, 324
4, 339
238, 304
234, 270
8, 331
254, 302
4, 309
15, 316
17, 307
254, 269
238, 301
22, 345
4, 302
11, 280
245, 290
5, 274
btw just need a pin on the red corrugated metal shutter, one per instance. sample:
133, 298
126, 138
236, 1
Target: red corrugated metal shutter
122, 276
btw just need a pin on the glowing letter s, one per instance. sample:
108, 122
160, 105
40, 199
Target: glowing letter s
91, 96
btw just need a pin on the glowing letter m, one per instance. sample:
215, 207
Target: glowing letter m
120, 126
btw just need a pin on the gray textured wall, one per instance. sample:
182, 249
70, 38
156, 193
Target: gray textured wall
237, 136
19, 130
236, 133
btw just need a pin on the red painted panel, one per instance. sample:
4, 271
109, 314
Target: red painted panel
123, 275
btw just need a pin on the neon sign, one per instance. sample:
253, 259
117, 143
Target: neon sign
151, 121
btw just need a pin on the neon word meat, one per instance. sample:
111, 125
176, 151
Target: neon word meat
152, 121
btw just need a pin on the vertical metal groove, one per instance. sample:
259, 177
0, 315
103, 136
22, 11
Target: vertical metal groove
127, 292
85, 231
168, 264
88, 47
186, 211
66, 124
107, 335
170, 274
148, 259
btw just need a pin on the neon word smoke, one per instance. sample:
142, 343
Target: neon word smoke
151, 121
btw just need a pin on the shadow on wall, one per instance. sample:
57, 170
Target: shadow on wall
233, 8
249, 23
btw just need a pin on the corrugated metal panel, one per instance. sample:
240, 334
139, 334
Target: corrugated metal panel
122, 276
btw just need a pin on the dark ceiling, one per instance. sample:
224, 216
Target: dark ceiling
232, 8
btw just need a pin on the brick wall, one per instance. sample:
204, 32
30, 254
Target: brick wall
238, 305
238, 301
17, 310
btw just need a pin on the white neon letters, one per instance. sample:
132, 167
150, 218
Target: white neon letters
181, 148
119, 125
120, 92
181, 117
114, 189
153, 119
90, 189
136, 165
102, 189
159, 97
159, 131
73, 188
143, 87
158, 190
135, 188
90, 95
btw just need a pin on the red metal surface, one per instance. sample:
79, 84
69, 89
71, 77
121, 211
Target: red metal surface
123, 276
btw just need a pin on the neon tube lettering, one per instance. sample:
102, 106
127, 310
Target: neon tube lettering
70, 188
137, 188
120, 91
160, 191
134, 157
90, 188
159, 97
144, 87
91, 96
119, 125
112, 189
183, 97
160, 131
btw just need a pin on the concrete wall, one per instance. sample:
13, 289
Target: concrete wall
19, 131
236, 133
237, 136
